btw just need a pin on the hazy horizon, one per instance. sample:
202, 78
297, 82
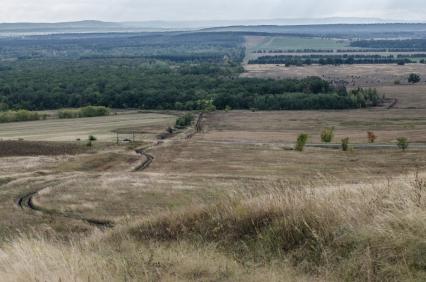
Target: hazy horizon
50, 11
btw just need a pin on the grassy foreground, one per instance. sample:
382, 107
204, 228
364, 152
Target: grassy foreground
352, 233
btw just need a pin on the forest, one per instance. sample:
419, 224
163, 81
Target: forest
406, 44
138, 83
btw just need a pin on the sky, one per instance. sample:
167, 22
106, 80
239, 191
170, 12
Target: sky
196, 10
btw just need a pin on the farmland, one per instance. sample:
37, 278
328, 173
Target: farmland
103, 128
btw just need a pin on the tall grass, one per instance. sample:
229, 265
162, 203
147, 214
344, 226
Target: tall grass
355, 233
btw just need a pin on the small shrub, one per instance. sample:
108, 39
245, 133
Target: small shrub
92, 138
228, 108
402, 143
327, 134
371, 137
301, 142
397, 82
185, 120
413, 78
345, 144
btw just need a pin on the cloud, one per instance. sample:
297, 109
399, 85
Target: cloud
141, 10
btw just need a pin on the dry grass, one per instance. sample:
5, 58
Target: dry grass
285, 126
353, 233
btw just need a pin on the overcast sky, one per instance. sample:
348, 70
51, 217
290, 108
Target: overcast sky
187, 10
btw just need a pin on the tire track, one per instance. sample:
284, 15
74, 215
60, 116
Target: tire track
26, 201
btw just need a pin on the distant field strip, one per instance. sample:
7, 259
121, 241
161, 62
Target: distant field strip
71, 129
295, 43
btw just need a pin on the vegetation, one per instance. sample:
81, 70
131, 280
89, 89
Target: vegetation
343, 59
371, 137
413, 78
20, 115
193, 47
407, 44
402, 143
89, 111
301, 142
345, 144
327, 134
185, 120
121, 83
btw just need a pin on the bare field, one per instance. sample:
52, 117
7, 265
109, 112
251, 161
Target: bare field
355, 75
285, 126
71, 129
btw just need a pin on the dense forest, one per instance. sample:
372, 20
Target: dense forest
173, 46
406, 44
133, 83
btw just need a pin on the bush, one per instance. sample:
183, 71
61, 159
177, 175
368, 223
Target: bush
89, 111
371, 137
301, 142
413, 78
185, 120
402, 143
21, 115
327, 134
345, 144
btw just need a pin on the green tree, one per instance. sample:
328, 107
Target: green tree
402, 143
327, 134
414, 78
301, 142
345, 144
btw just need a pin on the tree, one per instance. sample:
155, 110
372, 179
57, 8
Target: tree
402, 143
327, 134
301, 142
345, 144
413, 78
371, 137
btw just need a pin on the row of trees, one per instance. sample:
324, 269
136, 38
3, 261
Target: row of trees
327, 136
330, 60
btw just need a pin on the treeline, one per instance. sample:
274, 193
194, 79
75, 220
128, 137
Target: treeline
89, 111
39, 85
20, 115
343, 59
410, 44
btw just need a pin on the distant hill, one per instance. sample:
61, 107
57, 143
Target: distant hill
73, 27
363, 27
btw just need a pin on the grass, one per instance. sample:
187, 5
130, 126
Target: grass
207, 210
101, 127
359, 233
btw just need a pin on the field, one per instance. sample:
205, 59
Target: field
102, 127
238, 157
293, 43
355, 75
